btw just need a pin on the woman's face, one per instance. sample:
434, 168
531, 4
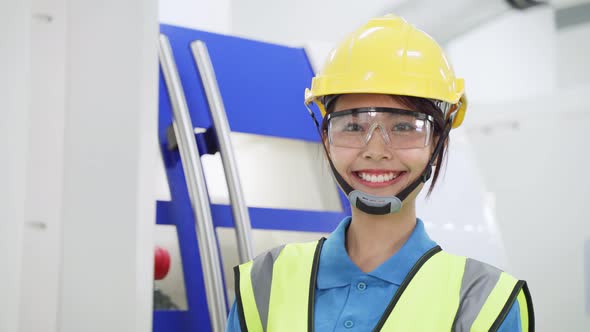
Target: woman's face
393, 169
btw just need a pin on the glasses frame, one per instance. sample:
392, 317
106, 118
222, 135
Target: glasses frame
391, 110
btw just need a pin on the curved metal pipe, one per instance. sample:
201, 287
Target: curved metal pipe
195, 180
217, 111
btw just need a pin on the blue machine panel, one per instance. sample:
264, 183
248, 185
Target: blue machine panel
262, 86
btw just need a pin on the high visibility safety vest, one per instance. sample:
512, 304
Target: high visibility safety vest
442, 292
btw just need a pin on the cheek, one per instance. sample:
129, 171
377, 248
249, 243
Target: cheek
414, 158
342, 157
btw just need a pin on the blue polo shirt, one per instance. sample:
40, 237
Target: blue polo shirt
348, 299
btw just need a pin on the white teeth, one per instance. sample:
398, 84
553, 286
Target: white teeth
377, 178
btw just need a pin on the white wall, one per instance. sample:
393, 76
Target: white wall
14, 116
110, 130
42, 234
315, 25
511, 57
536, 169
212, 16
298, 22
80, 159
572, 52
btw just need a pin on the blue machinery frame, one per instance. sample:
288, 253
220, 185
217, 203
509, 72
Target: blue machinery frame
262, 84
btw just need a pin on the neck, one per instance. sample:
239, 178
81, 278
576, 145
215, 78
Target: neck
372, 239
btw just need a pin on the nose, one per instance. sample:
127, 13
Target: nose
377, 144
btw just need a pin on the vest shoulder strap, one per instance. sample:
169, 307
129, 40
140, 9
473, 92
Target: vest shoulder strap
486, 297
263, 301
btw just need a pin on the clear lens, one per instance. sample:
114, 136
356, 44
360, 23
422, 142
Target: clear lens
399, 129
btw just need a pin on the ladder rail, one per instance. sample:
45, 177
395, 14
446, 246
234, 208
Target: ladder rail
195, 180
222, 130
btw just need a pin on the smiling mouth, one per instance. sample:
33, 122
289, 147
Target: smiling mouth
378, 178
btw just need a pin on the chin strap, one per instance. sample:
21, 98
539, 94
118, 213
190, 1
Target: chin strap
381, 205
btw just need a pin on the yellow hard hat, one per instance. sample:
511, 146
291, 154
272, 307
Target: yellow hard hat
390, 56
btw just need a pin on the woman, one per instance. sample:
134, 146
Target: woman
388, 99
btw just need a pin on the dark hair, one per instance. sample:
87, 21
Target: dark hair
422, 105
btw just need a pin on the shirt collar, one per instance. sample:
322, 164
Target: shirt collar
336, 269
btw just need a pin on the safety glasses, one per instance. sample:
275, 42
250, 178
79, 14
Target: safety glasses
400, 129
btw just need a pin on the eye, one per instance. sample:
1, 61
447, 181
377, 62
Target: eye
403, 127
352, 127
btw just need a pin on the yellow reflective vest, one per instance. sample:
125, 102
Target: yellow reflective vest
442, 292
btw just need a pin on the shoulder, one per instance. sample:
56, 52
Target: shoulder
475, 268
478, 278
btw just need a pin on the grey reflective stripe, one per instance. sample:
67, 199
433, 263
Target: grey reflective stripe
261, 275
478, 282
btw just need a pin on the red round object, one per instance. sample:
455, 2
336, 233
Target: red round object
162, 263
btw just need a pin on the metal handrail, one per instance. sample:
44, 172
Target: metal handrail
217, 111
195, 178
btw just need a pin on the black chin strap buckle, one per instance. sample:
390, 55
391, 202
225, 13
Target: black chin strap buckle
375, 210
